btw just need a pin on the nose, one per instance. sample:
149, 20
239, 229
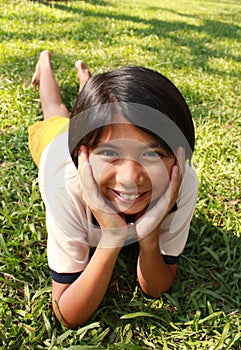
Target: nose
130, 174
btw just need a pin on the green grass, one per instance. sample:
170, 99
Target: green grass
197, 45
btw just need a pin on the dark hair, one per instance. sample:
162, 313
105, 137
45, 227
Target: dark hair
144, 97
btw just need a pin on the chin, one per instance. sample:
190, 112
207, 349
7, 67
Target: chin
132, 209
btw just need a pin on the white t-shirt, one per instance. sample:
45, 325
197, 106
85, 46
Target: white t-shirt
71, 230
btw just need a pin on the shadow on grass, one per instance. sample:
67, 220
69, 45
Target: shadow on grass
222, 2
216, 29
181, 34
93, 2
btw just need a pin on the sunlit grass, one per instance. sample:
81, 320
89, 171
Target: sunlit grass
197, 45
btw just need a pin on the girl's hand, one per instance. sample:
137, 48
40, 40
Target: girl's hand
113, 225
151, 220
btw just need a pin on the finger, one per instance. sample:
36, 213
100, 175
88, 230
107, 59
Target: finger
83, 156
178, 170
172, 192
180, 159
177, 173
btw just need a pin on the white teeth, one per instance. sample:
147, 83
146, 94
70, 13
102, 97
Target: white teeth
130, 197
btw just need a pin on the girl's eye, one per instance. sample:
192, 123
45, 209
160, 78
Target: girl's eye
108, 153
153, 154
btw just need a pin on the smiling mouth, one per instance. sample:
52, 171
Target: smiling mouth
128, 197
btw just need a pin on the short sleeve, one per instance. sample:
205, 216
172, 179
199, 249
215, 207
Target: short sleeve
42, 133
175, 227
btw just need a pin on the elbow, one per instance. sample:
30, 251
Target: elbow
71, 323
154, 293
155, 290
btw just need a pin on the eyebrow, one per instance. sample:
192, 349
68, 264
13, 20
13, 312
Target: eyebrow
154, 145
106, 144
111, 145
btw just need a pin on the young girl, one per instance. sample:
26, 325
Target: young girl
115, 173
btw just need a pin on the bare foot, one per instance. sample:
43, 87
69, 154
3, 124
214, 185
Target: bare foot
44, 59
82, 73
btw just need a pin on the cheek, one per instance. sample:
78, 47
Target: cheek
100, 170
159, 175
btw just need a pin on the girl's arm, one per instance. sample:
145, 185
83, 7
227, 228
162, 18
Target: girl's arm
75, 303
154, 275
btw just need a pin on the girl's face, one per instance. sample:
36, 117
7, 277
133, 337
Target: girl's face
130, 167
